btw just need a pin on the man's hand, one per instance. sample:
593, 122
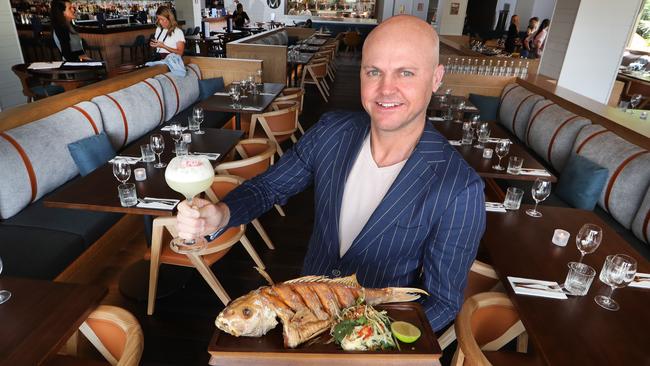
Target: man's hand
201, 218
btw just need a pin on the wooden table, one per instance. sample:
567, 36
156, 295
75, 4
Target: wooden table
98, 190
40, 317
317, 41
293, 63
70, 77
474, 156
256, 103
575, 331
310, 49
436, 108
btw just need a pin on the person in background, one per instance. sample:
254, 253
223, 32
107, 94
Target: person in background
168, 38
240, 18
65, 36
304, 10
540, 38
513, 40
534, 22
395, 203
526, 44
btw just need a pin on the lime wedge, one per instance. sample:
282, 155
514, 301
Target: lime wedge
405, 332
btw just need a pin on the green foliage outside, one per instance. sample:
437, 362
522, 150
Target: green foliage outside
643, 28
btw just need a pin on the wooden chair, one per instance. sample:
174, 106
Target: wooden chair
138, 45
216, 249
487, 322
481, 278
279, 126
287, 98
315, 74
113, 331
325, 57
258, 155
352, 40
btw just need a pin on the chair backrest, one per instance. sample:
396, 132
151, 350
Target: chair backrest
258, 155
487, 320
282, 123
481, 278
139, 40
286, 100
352, 39
196, 31
21, 71
317, 70
222, 185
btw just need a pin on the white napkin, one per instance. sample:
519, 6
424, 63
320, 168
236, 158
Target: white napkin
168, 128
266, 94
641, 280
225, 94
454, 142
130, 159
526, 286
210, 156
435, 119
495, 207
249, 108
470, 108
497, 140
157, 203
538, 172
45, 65
76, 64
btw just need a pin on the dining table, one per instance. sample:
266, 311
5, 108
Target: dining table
40, 316
70, 75
573, 331
250, 103
437, 107
294, 63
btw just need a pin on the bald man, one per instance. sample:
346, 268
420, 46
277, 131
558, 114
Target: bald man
395, 203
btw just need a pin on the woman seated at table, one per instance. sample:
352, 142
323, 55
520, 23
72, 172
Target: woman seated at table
240, 18
168, 38
65, 36
513, 40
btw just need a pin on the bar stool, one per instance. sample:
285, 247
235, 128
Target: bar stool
138, 44
92, 51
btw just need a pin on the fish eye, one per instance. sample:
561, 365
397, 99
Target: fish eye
246, 312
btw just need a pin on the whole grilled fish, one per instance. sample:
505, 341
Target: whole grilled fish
306, 306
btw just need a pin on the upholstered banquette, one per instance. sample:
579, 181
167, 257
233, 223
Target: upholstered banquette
53, 243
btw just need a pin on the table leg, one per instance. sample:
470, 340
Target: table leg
238, 121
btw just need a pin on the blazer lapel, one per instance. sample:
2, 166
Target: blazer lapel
415, 178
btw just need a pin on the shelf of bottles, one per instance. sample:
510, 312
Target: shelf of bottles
332, 8
456, 65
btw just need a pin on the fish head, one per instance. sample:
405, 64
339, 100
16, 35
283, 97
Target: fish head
248, 316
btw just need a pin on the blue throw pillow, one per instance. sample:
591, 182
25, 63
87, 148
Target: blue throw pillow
581, 183
91, 152
208, 87
488, 106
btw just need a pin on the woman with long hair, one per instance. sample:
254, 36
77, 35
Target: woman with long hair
65, 36
168, 38
540, 38
513, 39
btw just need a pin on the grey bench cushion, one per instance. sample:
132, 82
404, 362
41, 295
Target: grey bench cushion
629, 170
35, 157
131, 112
179, 93
515, 109
641, 222
552, 131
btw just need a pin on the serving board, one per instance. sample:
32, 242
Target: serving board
227, 350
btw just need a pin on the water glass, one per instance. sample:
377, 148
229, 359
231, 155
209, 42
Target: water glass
514, 165
468, 134
579, 278
180, 148
127, 193
623, 105
147, 154
192, 125
483, 136
513, 198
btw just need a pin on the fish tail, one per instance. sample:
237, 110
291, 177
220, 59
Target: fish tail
400, 294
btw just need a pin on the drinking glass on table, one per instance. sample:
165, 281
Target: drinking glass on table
198, 115
588, 239
251, 84
541, 190
634, 101
618, 271
157, 143
4, 294
175, 131
501, 149
235, 96
459, 111
483, 134
121, 170
189, 175
475, 121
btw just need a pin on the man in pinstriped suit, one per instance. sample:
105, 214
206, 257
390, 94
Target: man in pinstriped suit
395, 203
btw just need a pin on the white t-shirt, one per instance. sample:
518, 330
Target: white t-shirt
171, 40
364, 189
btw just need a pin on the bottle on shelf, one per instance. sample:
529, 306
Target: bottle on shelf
524, 70
497, 68
481, 69
517, 70
509, 68
462, 66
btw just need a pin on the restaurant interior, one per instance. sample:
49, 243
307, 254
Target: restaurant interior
546, 102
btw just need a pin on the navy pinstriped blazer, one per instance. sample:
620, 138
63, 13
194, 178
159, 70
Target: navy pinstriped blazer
424, 233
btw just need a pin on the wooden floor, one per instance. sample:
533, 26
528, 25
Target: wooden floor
183, 323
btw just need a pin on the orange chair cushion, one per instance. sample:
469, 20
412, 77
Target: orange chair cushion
490, 322
111, 335
282, 122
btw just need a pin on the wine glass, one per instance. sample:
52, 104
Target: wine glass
618, 271
251, 83
635, 99
121, 170
259, 75
588, 239
189, 175
235, 96
475, 121
175, 131
483, 133
158, 145
501, 149
540, 191
197, 114
4, 294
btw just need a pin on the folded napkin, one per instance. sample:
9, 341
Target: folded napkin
641, 280
225, 94
538, 172
435, 119
454, 142
245, 108
210, 156
169, 128
495, 207
129, 159
497, 140
470, 108
157, 203
527, 286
